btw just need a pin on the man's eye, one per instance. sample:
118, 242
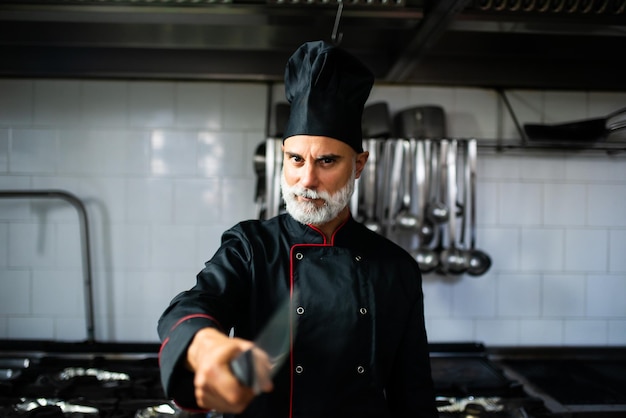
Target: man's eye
327, 160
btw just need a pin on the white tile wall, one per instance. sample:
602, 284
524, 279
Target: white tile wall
617, 332
518, 296
540, 332
518, 204
617, 260
151, 104
34, 151
563, 296
542, 249
564, 204
602, 201
585, 332
586, 250
104, 104
4, 150
16, 102
165, 167
605, 296
199, 106
56, 102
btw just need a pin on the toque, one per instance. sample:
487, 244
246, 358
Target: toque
327, 89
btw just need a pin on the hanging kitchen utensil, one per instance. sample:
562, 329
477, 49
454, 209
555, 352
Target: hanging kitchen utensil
438, 212
405, 218
387, 186
464, 204
376, 121
425, 230
428, 258
421, 122
372, 221
355, 200
375, 125
273, 171
259, 171
479, 261
452, 260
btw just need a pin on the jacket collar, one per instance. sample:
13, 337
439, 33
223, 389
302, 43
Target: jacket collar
309, 234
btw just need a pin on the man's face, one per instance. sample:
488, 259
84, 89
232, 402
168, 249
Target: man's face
318, 177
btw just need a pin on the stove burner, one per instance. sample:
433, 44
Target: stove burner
56, 408
100, 375
42, 407
491, 404
165, 410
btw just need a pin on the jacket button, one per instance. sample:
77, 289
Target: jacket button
299, 369
363, 311
299, 256
360, 370
299, 310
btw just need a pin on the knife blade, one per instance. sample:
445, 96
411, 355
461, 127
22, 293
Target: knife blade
271, 348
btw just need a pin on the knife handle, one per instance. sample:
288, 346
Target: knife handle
243, 368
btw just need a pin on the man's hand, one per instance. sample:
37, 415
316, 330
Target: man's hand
209, 356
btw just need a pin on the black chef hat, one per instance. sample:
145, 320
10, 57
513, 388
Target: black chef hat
327, 89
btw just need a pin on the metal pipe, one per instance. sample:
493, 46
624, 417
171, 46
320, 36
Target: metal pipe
518, 126
82, 216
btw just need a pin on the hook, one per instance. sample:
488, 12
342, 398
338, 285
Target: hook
336, 38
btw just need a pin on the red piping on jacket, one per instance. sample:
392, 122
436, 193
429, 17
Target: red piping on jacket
291, 290
180, 321
332, 238
166, 340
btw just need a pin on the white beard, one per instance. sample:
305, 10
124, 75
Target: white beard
308, 212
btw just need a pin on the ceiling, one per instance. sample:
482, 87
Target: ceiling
559, 44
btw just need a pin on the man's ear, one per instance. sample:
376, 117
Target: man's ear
361, 159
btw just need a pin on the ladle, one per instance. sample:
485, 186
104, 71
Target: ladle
453, 259
425, 229
479, 261
428, 258
405, 219
271, 206
464, 205
438, 212
387, 184
259, 162
369, 192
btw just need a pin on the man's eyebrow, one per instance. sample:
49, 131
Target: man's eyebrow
319, 157
329, 156
293, 154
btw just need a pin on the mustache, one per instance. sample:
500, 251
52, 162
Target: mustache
307, 193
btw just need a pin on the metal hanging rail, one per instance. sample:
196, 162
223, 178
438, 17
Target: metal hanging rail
84, 224
610, 147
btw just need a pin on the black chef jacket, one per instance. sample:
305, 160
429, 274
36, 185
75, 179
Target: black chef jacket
361, 348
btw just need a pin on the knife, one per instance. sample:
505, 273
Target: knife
271, 348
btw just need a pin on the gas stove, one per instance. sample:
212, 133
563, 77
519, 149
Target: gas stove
86, 381
96, 380
468, 384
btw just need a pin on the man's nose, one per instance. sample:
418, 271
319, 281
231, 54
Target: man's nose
309, 178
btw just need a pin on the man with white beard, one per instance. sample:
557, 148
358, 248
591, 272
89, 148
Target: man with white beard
308, 212
360, 349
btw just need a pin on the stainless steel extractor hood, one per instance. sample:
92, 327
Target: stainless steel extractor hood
573, 44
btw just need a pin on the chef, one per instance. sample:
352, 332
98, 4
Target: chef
360, 349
